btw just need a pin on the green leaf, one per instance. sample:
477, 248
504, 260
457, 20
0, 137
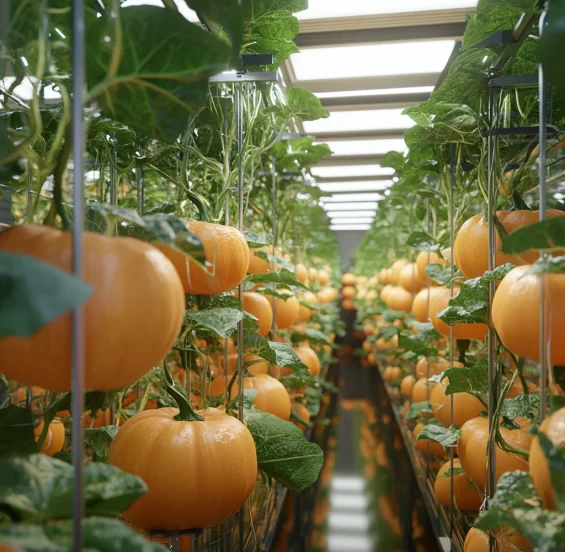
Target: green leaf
100, 535
33, 293
522, 406
445, 436
388, 332
257, 239
439, 273
282, 450
469, 306
218, 321
100, 439
39, 488
285, 357
162, 70
315, 336
418, 408
417, 344
555, 457
498, 273
16, 431
394, 160
547, 265
548, 235
284, 278
553, 40
305, 105
468, 380
421, 241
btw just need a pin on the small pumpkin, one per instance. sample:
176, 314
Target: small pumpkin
226, 255
260, 307
287, 310
55, 438
199, 473
309, 357
131, 319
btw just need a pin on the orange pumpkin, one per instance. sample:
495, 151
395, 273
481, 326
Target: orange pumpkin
301, 273
55, 438
199, 473
309, 357
226, 257
420, 305
272, 395
305, 313
471, 243
256, 264
260, 307
410, 278
399, 299
287, 310
131, 319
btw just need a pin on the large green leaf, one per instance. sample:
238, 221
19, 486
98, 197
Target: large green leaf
522, 406
556, 461
305, 105
153, 73
99, 439
468, 380
282, 450
100, 535
313, 335
551, 42
445, 436
220, 322
469, 306
16, 431
32, 293
284, 278
39, 488
421, 241
279, 354
548, 235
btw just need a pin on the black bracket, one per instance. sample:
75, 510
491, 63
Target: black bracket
253, 60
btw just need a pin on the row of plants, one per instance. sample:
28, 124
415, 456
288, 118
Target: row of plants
186, 416
429, 292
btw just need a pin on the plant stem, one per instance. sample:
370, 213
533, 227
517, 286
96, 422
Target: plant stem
186, 412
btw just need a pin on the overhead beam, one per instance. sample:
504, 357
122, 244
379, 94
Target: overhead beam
368, 83
325, 39
333, 180
350, 160
384, 101
359, 135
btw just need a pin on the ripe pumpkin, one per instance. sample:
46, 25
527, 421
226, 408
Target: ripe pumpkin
406, 385
421, 392
507, 540
301, 411
301, 273
392, 373
371, 359
261, 367
466, 498
439, 300
348, 292
427, 446
260, 307
257, 265
428, 367
55, 438
348, 305
465, 406
131, 319
424, 258
518, 294
312, 275
348, 279
323, 277
410, 278
309, 357
101, 419
420, 305
471, 243
226, 256
305, 313
396, 267
272, 395
198, 473
553, 428
399, 299
472, 449
286, 310
385, 292
383, 276
327, 295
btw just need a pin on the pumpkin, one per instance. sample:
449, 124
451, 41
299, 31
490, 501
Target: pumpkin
260, 307
312, 274
226, 257
465, 405
420, 305
131, 320
256, 264
301, 273
323, 277
309, 357
305, 313
507, 540
286, 310
399, 299
466, 498
272, 395
471, 243
55, 438
199, 473
410, 278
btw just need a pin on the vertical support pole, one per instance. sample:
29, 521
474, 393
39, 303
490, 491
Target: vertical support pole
275, 236
542, 161
78, 148
451, 340
492, 384
428, 285
239, 125
140, 185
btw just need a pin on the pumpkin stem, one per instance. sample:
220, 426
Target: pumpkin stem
186, 412
462, 347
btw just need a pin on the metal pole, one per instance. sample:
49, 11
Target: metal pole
451, 341
78, 148
275, 236
542, 160
140, 185
239, 124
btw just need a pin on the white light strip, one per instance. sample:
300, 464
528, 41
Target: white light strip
350, 121
345, 501
352, 171
352, 220
367, 147
348, 484
181, 5
378, 185
351, 206
352, 197
379, 92
348, 227
347, 522
349, 214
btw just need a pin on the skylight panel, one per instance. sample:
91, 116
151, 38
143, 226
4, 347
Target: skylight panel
353, 170
367, 147
351, 121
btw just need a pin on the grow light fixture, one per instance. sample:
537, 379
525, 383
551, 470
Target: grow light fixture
348, 484
369, 119
351, 170
184, 10
348, 522
337, 187
344, 198
349, 214
367, 147
352, 220
325, 9
341, 228
379, 92
352, 206
345, 62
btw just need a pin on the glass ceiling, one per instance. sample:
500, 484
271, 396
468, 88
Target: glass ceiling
367, 147
371, 60
379, 92
369, 119
351, 170
323, 9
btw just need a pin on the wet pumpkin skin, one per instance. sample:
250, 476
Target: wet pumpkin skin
199, 473
130, 322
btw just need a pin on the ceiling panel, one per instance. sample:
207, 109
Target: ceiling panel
367, 147
346, 188
352, 171
372, 119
